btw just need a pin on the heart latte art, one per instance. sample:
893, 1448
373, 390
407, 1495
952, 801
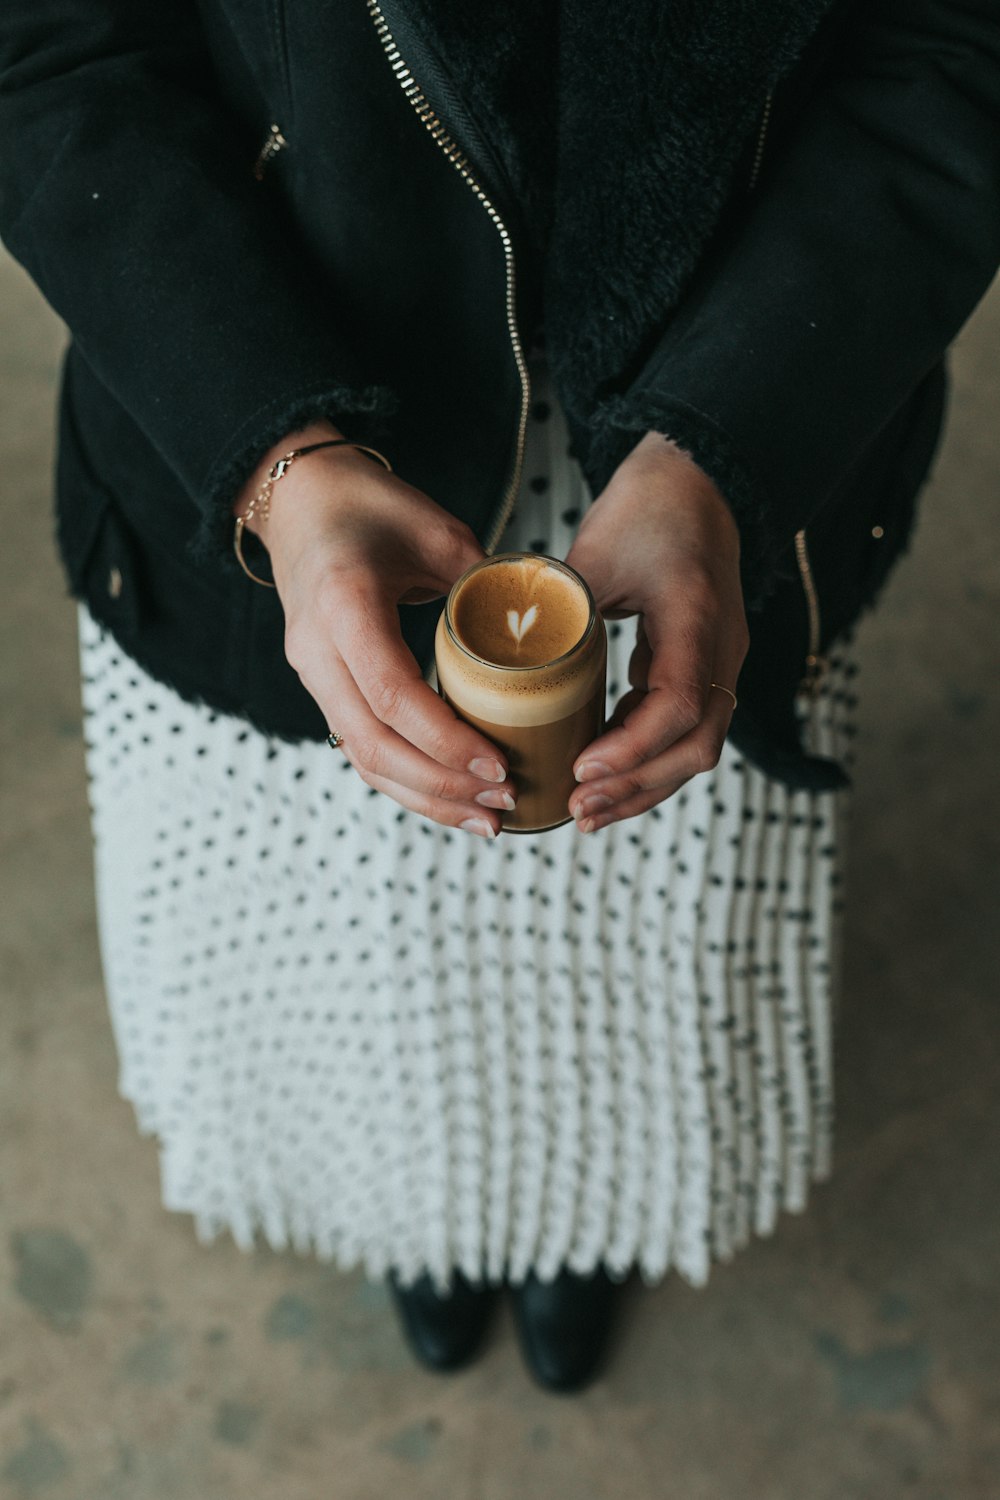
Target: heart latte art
520, 613
520, 623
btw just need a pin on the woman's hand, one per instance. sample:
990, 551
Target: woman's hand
660, 542
349, 541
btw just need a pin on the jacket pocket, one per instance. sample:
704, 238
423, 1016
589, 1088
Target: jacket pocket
282, 56
273, 135
102, 564
98, 553
868, 522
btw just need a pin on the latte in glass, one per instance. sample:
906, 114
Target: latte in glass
521, 653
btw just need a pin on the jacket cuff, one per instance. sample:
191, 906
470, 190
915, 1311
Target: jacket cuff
615, 425
361, 412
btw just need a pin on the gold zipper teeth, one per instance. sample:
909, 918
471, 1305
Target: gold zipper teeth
761, 138
816, 665
435, 127
275, 142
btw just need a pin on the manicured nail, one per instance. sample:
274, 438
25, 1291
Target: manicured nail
592, 769
480, 826
594, 804
503, 801
486, 769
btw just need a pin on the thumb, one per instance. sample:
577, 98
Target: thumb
422, 596
592, 566
452, 553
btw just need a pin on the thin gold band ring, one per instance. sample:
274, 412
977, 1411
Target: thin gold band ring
728, 691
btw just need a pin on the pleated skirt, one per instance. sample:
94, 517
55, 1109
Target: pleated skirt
365, 1036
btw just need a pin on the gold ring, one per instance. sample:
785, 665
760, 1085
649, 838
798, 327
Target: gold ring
335, 740
726, 690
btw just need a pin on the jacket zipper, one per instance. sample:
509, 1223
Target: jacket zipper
816, 664
758, 155
459, 161
275, 142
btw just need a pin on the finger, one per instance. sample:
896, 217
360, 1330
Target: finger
638, 676
389, 679
639, 661
610, 798
467, 816
682, 649
378, 752
630, 808
624, 707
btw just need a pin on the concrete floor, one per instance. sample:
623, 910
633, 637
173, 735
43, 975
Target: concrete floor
853, 1356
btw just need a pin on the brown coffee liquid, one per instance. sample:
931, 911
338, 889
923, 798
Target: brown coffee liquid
541, 759
520, 614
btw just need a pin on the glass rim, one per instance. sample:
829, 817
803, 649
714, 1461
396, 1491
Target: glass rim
542, 666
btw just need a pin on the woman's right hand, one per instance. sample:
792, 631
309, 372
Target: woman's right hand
348, 542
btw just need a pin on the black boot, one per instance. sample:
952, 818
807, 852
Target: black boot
444, 1332
564, 1326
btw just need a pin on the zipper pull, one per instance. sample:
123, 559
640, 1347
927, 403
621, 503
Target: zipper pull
275, 142
816, 669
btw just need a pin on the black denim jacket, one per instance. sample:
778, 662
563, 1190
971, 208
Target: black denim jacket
755, 229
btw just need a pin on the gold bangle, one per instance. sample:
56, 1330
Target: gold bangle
241, 522
260, 505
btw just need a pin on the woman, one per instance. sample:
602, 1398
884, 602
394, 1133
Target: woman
717, 253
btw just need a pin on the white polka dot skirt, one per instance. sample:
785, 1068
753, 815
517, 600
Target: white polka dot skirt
362, 1035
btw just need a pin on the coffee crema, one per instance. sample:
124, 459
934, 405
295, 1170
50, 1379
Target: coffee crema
521, 653
520, 612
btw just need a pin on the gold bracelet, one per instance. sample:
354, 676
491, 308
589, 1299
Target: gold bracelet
260, 505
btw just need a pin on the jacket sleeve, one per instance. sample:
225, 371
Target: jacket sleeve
873, 234
127, 193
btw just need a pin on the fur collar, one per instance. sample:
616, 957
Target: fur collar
616, 129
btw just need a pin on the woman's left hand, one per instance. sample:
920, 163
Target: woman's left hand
660, 542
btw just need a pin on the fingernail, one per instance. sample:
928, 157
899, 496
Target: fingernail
501, 800
480, 826
593, 804
486, 769
587, 826
592, 769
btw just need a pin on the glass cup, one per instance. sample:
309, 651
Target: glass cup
521, 653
